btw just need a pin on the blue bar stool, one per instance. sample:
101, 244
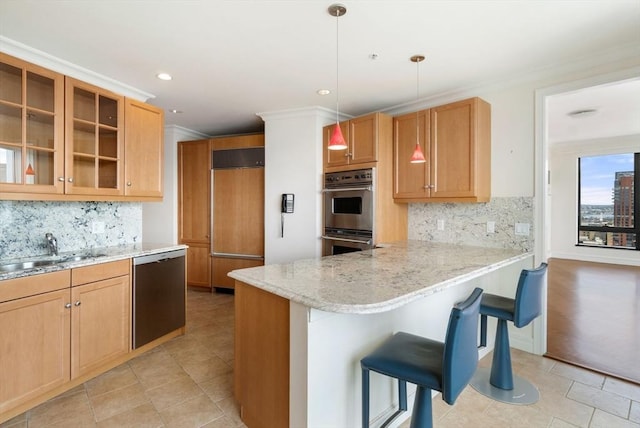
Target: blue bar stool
499, 382
430, 364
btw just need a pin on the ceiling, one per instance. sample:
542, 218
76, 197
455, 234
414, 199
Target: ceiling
231, 59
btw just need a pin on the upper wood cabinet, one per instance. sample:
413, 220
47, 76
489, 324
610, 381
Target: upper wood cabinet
143, 149
362, 136
93, 140
63, 139
31, 128
456, 140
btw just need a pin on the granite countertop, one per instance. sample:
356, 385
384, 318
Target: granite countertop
377, 280
95, 256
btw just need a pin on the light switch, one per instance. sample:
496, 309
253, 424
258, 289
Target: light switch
523, 229
491, 227
440, 224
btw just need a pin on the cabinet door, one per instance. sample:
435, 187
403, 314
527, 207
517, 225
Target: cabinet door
335, 157
410, 180
93, 140
34, 346
238, 215
198, 265
31, 128
143, 142
194, 181
363, 139
453, 150
101, 323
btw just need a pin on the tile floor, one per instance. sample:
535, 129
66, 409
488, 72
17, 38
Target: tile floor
187, 382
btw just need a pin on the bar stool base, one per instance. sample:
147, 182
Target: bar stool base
523, 392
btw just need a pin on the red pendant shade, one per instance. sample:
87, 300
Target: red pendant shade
337, 141
418, 156
30, 170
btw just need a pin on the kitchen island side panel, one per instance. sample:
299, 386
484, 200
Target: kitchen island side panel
326, 349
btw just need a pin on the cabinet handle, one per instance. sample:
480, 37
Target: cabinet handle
60, 178
68, 305
70, 179
429, 186
129, 183
78, 303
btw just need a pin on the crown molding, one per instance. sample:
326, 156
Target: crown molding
43, 59
627, 56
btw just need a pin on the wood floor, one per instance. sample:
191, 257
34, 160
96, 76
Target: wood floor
594, 316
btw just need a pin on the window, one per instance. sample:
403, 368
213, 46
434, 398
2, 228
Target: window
608, 201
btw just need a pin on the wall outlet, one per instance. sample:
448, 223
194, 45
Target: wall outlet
523, 229
97, 227
440, 224
491, 227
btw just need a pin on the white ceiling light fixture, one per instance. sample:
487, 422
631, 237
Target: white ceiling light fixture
582, 113
164, 76
323, 91
337, 142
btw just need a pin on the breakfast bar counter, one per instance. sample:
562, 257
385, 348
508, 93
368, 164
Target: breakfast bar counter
377, 280
302, 327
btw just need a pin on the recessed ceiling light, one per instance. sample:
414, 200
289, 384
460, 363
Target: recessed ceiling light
583, 112
175, 111
164, 76
323, 92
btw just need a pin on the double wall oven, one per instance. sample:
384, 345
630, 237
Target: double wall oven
348, 211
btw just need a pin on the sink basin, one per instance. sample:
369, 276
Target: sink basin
75, 258
32, 264
13, 267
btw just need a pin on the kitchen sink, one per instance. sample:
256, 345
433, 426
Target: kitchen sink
78, 258
13, 267
32, 264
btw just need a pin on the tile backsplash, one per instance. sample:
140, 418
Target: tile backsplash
463, 223
23, 225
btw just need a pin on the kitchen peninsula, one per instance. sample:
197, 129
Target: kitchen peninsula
302, 327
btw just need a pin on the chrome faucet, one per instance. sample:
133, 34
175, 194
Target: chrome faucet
52, 243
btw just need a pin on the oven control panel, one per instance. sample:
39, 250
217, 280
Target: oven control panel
356, 177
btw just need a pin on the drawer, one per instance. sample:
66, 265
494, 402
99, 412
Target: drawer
98, 272
17, 288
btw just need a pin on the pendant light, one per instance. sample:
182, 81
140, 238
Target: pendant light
418, 156
337, 142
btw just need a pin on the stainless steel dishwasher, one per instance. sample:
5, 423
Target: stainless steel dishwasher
158, 295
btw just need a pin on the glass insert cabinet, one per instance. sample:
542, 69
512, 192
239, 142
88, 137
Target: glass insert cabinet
58, 135
31, 127
93, 139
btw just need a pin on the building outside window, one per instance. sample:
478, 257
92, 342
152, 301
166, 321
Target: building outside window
608, 201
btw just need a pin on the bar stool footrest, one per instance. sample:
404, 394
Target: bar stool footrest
523, 392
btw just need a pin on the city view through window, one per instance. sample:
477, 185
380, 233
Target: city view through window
607, 201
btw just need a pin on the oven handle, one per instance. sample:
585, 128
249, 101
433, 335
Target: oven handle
348, 189
355, 241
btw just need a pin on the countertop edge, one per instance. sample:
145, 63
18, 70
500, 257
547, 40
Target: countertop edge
378, 307
111, 254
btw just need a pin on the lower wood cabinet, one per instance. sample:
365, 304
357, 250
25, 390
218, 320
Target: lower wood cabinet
35, 348
100, 323
61, 326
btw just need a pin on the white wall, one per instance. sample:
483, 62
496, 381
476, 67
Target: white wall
293, 164
563, 198
160, 219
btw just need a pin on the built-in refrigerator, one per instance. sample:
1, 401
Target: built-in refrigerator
237, 212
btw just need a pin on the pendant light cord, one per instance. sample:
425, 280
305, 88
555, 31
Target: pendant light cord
417, 99
337, 67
